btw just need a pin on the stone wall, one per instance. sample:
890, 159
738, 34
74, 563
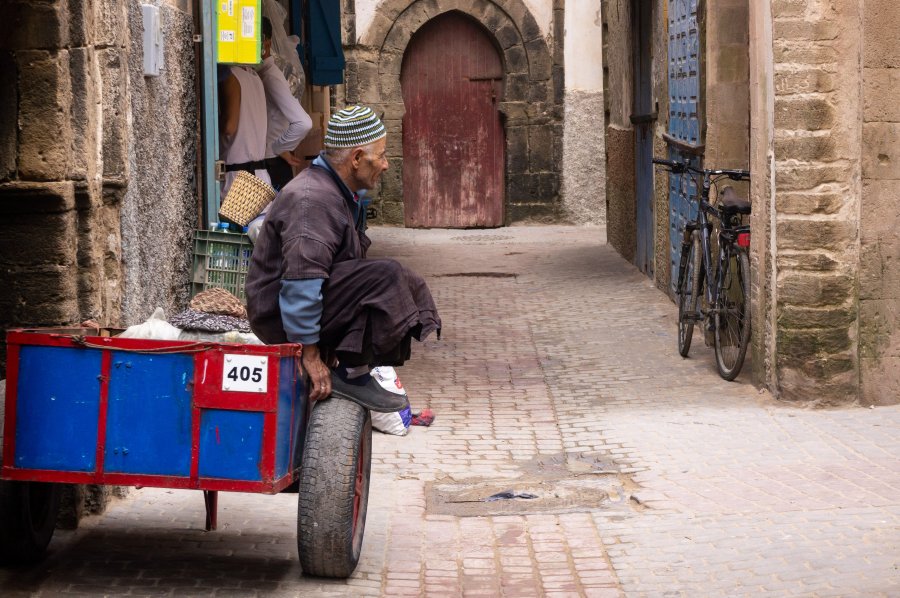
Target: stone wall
817, 142
619, 85
727, 79
63, 167
762, 147
879, 265
97, 170
531, 109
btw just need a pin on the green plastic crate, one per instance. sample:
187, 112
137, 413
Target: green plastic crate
221, 260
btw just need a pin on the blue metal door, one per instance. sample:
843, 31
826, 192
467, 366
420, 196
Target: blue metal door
643, 119
685, 127
210, 122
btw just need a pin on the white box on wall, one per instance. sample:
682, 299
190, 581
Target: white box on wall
153, 42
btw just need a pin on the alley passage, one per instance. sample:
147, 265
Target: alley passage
557, 377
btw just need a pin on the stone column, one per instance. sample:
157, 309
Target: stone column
816, 141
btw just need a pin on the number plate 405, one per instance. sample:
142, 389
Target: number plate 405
245, 373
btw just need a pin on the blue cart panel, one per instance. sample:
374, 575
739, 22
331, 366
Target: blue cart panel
83, 408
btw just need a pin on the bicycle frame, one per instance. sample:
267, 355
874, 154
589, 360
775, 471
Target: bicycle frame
704, 226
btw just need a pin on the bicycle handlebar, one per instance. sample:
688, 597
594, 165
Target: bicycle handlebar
680, 167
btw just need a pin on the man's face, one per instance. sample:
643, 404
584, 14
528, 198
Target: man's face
368, 166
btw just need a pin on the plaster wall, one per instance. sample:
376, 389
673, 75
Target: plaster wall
366, 11
584, 144
159, 210
727, 76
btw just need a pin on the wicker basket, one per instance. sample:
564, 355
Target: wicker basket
246, 198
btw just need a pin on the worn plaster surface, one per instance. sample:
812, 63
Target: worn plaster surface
584, 158
159, 211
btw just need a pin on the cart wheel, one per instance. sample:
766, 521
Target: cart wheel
28, 513
334, 488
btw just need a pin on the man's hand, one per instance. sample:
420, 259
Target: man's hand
291, 159
318, 373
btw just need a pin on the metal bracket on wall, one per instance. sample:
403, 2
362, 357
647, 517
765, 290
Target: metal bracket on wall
684, 146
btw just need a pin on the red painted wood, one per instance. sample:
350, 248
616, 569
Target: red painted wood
105, 369
208, 391
72, 338
195, 445
453, 142
148, 481
12, 398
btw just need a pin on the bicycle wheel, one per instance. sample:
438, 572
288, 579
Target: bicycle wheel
688, 294
732, 314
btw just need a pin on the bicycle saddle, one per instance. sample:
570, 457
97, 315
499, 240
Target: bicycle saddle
730, 201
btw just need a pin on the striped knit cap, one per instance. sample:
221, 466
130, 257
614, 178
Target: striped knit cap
353, 127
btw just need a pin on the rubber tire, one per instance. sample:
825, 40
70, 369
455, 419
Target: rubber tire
28, 512
742, 263
687, 304
329, 542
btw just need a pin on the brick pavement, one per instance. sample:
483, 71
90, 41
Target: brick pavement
557, 374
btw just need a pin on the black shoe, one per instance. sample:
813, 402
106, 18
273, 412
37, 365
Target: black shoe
368, 394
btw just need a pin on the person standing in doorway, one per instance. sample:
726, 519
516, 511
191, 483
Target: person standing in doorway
242, 139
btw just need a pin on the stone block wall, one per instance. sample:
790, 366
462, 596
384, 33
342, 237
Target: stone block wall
879, 265
817, 141
59, 224
97, 189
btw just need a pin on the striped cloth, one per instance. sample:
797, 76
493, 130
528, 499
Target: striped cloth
353, 127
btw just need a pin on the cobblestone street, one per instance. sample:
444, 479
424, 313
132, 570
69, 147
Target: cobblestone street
557, 375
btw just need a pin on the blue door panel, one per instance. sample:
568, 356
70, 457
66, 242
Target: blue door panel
231, 444
149, 414
57, 408
684, 117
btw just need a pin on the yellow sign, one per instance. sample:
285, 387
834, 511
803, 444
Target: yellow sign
238, 33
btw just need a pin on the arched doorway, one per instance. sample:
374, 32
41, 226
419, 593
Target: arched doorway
453, 142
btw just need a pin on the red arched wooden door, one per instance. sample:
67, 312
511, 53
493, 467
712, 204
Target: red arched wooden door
453, 146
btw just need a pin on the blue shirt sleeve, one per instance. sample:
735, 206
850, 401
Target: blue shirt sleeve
301, 309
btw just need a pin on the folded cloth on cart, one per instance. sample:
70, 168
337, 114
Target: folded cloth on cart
218, 301
191, 319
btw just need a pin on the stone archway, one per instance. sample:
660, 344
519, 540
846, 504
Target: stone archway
531, 106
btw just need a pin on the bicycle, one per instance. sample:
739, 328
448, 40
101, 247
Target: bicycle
726, 313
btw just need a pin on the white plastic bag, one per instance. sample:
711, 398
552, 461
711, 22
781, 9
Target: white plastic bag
284, 48
396, 422
156, 327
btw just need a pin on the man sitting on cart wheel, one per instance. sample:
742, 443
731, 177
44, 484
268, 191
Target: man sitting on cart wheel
309, 281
